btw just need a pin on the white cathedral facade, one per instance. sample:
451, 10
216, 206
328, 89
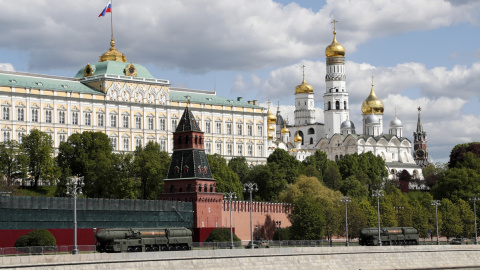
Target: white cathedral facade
337, 136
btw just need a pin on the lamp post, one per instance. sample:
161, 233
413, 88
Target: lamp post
74, 187
378, 193
475, 199
250, 187
436, 203
230, 196
94, 240
346, 200
278, 222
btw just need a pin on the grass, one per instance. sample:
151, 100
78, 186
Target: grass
42, 191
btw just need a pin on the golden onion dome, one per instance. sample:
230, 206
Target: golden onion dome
297, 138
372, 104
335, 49
285, 130
270, 136
271, 128
113, 54
304, 87
271, 118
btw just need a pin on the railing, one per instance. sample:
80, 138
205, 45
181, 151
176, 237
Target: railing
54, 250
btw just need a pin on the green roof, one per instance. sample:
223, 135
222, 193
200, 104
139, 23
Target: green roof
44, 82
180, 95
115, 68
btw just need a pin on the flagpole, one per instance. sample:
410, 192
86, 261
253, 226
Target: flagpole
111, 17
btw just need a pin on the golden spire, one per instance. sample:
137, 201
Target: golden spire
334, 49
372, 104
113, 54
304, 87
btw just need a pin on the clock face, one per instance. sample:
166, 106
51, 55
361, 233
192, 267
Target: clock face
420, 153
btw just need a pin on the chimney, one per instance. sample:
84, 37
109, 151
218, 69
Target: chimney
239, 98
254, 102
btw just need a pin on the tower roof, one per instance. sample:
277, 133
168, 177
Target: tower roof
187, 122
304, 87
335, 49
372, 104
419, 122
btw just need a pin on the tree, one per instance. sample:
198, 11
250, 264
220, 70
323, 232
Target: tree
432, 172
404, 179
457, 183
309, 186
38, 146
356, 218
451, 225
227, 179
39, 237
125, 184
240, 167
366, 167
270, 179
332, 177
307, 218
221, 235
90, 155
354, 188
151, 166
287, 164
13, 161
319, 161
458, 153
466, 218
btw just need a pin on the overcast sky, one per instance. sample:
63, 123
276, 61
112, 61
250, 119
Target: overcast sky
421, 52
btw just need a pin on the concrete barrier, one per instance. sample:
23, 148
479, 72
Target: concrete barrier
398, 257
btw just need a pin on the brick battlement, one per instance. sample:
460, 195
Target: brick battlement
258, 207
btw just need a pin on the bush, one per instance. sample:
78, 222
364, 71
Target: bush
39, 237
284, 234
221, 235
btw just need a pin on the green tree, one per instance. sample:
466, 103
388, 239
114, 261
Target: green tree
432, 172
423, 215
90, 155
307, 218
466, 217
38, 237
354, 188
151, 166
319, 161
227, 179
221, 235
457, 183
332, 177
270, 179
356, 218
309, 186
125, 185
451, 223
38, 146
287, 164
240, 167
459, 152
13, 161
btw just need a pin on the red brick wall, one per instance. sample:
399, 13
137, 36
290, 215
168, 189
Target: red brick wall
264, 215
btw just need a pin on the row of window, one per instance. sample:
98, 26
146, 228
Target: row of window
337, 105
87, 117
250, 153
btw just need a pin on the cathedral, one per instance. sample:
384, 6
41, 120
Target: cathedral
337, 136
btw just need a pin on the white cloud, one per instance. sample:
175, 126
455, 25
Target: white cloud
6, 67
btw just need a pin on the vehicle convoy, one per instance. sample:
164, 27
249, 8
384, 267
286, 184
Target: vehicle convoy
143, 239
390, 236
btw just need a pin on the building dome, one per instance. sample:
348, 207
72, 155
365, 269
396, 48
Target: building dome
297, 138
372, 104
347, 124
271, 118
271, 128
372, 119
335, 49
285, 130
395, 122
270, 136
304, 87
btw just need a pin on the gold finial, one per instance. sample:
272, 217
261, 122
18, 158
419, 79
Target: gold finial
113, 54
372, 80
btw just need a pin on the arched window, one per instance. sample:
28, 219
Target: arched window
329, 106
311, 140
311, 131
189, 188
336, 157
187, 139
344, 105
336, 90
180, 190
196, 139
337, 105
205, 188
172, 189
301, 135
211, 188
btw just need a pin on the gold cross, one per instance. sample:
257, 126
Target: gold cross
334, 21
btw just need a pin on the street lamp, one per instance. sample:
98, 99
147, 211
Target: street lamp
230, 196
74, 186
378, 193
474, 199
346, 200
250, 187
278, 225
436, 203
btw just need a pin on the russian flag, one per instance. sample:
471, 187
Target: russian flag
107, 9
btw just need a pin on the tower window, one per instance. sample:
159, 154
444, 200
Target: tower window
337, 105
344, 105
329, 106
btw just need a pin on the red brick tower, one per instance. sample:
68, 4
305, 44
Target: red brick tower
190, 179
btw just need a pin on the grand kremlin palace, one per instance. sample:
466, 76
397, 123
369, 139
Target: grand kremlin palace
123, 100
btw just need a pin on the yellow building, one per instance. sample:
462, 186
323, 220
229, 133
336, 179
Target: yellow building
127, 103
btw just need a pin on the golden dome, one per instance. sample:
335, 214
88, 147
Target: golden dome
297, 138
113, 54
285, 130
270, 136
271, 128
335, 49
304, 87
271, 118
372, 104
